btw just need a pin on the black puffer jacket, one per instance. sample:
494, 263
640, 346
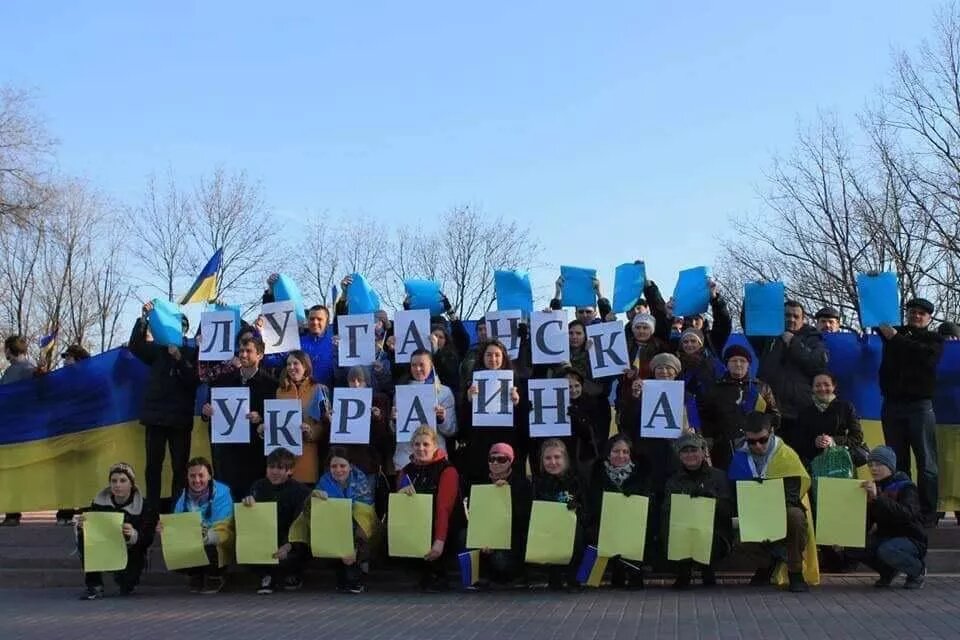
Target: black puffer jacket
172, 386
705, 482
896, 510
636, 484
908, 370
789, 369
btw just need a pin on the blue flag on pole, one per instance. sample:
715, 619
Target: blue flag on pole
763, 308
628, 283
692, 293
879, 296
577, 290
513, 291
424, 294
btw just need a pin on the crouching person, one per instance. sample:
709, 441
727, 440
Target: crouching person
764, 456
279, 486
897, 542
212, 500
122, 496
697, 479
342, 480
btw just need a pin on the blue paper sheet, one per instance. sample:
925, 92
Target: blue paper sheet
763, 308
879, 299
513, 291
424, 294
165, 323
286, 289
692, 293
577, 288
361, 297
628, 283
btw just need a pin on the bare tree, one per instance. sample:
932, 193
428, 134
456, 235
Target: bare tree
160, 228
319, 259
110, 293
26, 154
231, 214
20, 250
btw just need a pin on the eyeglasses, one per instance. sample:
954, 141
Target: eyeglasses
498, 459
754, 441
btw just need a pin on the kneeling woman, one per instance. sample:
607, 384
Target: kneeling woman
503, 566
618, 472
431, 473
559, 483
342, 480
122, 496
212, 500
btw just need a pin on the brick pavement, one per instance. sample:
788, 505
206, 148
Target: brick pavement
843, 608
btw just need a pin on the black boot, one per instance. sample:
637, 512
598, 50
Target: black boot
797, 583
708, 576
684, 576
761, 577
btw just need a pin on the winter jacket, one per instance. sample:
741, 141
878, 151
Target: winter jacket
439, 479
704, 482
17, 371
567, 488
723, 413
289, 496
636, 484
521, 501
839, 421
134, 513
216, 516
896, 510
307, 467
908, 369
170, 396
790, 369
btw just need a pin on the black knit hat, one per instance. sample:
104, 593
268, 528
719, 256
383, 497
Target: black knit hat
737, 350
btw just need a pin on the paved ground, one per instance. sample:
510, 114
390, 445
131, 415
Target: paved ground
845, 608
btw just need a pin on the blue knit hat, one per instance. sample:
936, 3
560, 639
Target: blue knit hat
885, 456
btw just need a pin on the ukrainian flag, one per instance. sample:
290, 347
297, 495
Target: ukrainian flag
59, 433
469, 562
204, 288
48, 342
592, 567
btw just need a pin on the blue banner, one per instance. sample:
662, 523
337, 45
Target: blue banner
286, 289
577, 290
513, 291
166, 323
424, 294
628, 283
879, 296
763, 308
361, 297
691, 296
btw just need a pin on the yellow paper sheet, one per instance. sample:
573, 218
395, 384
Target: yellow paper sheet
256, 533
691, 528
841, 512
182, 541
762, 509
409, 525
331, 527
104, 547
551, 534
623, 526
491, 517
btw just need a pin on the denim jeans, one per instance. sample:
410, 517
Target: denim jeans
899, 554
912, 425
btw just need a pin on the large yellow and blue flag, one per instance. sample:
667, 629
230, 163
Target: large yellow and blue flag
60, 432
204, 288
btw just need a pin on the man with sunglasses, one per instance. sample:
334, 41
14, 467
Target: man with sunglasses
908, 380
764, 456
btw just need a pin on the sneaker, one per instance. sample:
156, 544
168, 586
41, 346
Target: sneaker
195, 584
292, 583
885, 579
797, 583
266, 586
64, 522
917, 581
212, 584
10, 522
92, 593
356, 588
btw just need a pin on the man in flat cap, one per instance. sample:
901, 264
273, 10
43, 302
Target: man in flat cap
908, 380
828, 320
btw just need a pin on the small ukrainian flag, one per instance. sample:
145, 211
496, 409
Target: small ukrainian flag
47, 343
592, 568
469, 567
204, 288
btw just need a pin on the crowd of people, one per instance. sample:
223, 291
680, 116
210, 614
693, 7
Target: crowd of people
781, 423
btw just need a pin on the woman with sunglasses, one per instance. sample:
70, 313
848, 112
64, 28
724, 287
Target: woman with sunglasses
618, 472
504, 566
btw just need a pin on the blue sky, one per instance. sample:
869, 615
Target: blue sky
616, 130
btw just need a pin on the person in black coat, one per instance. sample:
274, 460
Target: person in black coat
122, 496
618, 472
829, 422
908, 380
697, 479
168, 406
240, 465
897, 542
503, 566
